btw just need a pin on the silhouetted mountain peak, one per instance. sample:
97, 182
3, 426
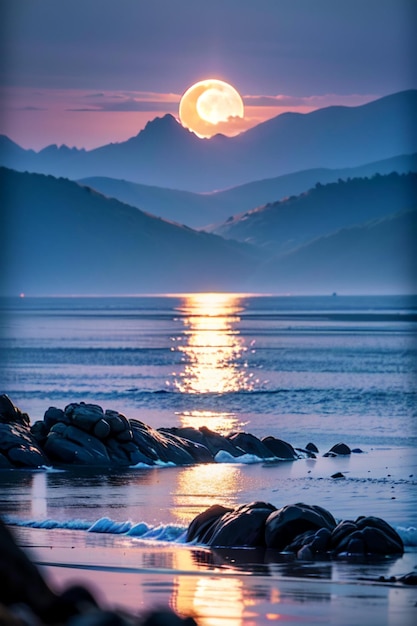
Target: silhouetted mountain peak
159, 127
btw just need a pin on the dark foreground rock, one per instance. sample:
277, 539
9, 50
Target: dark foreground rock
305, 530
87, 435
25, 598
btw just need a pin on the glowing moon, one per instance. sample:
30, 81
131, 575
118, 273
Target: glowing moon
210, 107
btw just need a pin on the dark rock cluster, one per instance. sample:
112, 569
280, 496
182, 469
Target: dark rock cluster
86, 435
304, 530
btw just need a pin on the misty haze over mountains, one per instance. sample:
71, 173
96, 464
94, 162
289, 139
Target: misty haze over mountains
327, 203
199, 210
63, 238
165, 154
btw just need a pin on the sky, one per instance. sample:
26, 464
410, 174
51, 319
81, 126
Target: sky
90, 72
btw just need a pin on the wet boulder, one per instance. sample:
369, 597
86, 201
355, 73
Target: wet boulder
198, 451
243, 526
11, 414
250, 445
18, 446
212, 441
70, 444
366, 536
216, 443
310, 544
280, 449
285, 524
53, 416
159, 446
199, 529
338, 449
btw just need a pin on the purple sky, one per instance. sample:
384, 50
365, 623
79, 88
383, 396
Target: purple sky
87, 72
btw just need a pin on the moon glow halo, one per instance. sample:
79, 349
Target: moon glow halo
210, 107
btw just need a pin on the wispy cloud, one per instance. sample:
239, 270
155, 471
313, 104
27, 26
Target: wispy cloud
312, 102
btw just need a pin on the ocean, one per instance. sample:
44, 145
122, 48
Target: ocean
304, 369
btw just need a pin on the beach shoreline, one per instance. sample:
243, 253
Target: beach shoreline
141, 578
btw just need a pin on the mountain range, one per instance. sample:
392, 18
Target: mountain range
61, 237
164, 154
199, 210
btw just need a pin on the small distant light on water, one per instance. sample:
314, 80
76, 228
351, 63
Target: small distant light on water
22, 295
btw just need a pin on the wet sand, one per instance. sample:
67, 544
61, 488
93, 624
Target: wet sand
224, 587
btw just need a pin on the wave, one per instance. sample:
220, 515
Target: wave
166, 533
171, 533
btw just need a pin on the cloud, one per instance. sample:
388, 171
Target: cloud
312, 102
31, 108
130, 105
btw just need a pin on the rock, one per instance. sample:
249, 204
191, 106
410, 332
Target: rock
307, 453
198, 452
338, 475
244, 526
285, 524
215, 442
73, 451
338, 449
312, 448
250, 445
40, 432
318, 542
280, 449
19, 446
11, 414
118, 423
26, 456
53, 416
158, 446
101, 429
200, 526
85, 416
408, 579
4, 462
367, 535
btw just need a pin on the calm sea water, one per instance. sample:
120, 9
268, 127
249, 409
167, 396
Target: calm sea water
297, 367
321, 369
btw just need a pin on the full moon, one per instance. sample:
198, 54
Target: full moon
210, 107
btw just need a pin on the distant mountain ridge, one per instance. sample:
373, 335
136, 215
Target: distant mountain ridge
165, 154
377, 257
200, 210
62, 238
282, 226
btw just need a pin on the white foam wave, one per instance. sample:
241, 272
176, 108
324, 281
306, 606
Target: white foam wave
171, 533
225, 457
408, 535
